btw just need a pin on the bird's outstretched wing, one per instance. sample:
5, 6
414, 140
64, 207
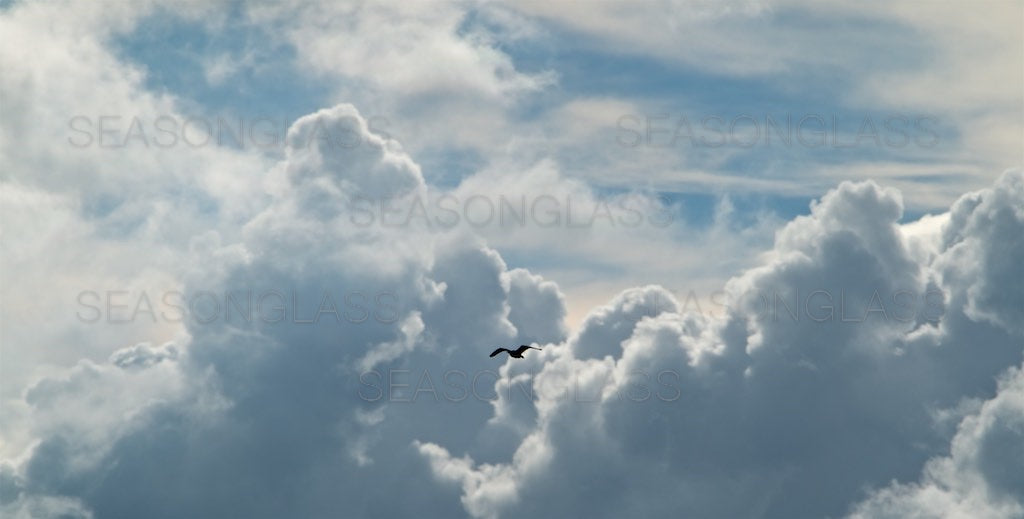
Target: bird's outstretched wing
524, 347
497, 351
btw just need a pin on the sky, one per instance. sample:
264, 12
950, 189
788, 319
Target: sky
255, 256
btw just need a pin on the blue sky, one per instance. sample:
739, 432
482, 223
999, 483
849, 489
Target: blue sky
272, 83
663, 102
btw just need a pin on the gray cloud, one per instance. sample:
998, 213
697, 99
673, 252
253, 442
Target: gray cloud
644, 410
776, 417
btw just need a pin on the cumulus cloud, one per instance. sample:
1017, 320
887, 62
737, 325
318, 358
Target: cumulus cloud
778, 414
978, 256
793, 407
863, 366
92, 216
982, 475
358, 303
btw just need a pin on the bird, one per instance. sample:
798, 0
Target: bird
518, 353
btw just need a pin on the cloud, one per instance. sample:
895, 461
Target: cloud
978, 255
284, 375
864, 365
607, 327
385, 58
397, 48
873, 61
764, 413
751, 413
92, 216
980, 478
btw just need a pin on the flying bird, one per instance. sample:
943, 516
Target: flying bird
518, 353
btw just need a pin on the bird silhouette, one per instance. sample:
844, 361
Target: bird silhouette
518, 353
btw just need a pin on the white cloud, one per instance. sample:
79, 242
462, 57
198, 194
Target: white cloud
956, 63
93, 213
361, 386
982, 476
747, 414
408, 49
762, 415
